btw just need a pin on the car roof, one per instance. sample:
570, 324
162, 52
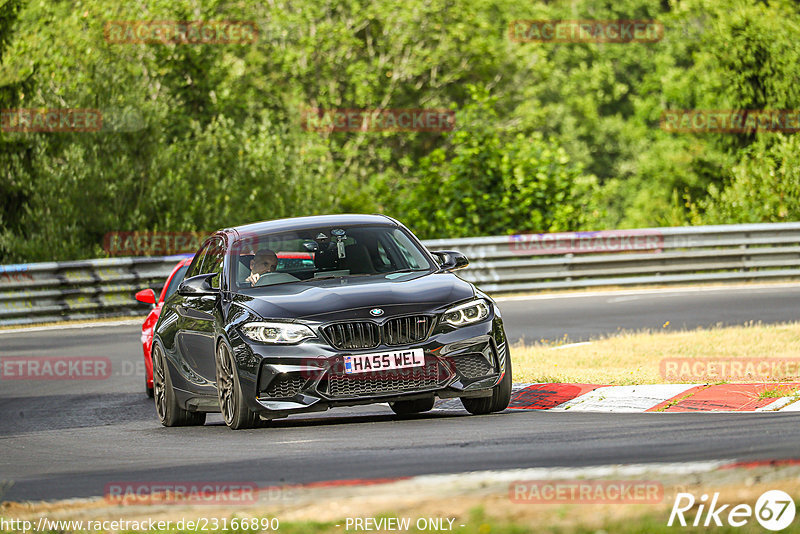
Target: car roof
304, 223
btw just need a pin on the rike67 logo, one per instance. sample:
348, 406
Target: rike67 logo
774, 510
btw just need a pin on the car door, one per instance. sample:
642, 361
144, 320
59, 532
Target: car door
197, 322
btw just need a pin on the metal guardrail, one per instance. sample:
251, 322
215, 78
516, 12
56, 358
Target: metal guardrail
722, 253
58, 291
40, 292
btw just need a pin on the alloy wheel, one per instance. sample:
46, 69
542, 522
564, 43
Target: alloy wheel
159, 383
225, 382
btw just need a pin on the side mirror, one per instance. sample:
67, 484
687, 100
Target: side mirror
198, 285
451, 260
147, 296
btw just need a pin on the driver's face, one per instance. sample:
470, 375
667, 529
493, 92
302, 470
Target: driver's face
265, 265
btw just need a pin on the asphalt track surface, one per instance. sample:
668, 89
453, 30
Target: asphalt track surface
64, 439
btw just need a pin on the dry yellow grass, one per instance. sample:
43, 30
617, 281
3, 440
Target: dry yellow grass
634, 357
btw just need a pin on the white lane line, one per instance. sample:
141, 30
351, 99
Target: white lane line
126, 322
624, 299
612, 293
623, 398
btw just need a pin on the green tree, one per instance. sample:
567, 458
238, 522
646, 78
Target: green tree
15, 152
764, 185
491, 182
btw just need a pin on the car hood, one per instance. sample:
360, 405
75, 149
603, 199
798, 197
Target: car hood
354, 297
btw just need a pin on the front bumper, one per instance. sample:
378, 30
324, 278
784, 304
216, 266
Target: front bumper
282, 380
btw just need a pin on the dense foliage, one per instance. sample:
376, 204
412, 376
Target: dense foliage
548, 136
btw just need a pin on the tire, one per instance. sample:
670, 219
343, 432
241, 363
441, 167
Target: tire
501, 396
229, 390
412, 406
167, 408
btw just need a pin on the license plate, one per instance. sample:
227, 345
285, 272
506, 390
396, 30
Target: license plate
381, 361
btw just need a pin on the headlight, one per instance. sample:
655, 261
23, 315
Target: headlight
278, 333
468, 313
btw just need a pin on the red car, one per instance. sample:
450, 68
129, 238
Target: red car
148, 296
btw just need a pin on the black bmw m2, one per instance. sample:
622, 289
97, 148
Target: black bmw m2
301, 315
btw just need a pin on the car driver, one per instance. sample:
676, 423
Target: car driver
265, 261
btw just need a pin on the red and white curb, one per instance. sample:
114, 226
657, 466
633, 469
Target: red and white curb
649, 398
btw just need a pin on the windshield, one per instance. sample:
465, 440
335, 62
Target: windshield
324, 252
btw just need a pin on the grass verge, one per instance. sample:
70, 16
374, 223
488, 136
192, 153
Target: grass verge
634, 357
778, 392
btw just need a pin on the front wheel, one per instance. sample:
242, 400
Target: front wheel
501, 396
231, 398
169, 411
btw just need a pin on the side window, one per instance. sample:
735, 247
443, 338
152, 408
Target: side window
213, 261
194, 268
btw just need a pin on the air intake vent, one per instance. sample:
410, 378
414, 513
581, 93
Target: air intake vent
472, 365
404, 330
339, 384
356, 335
285, 386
